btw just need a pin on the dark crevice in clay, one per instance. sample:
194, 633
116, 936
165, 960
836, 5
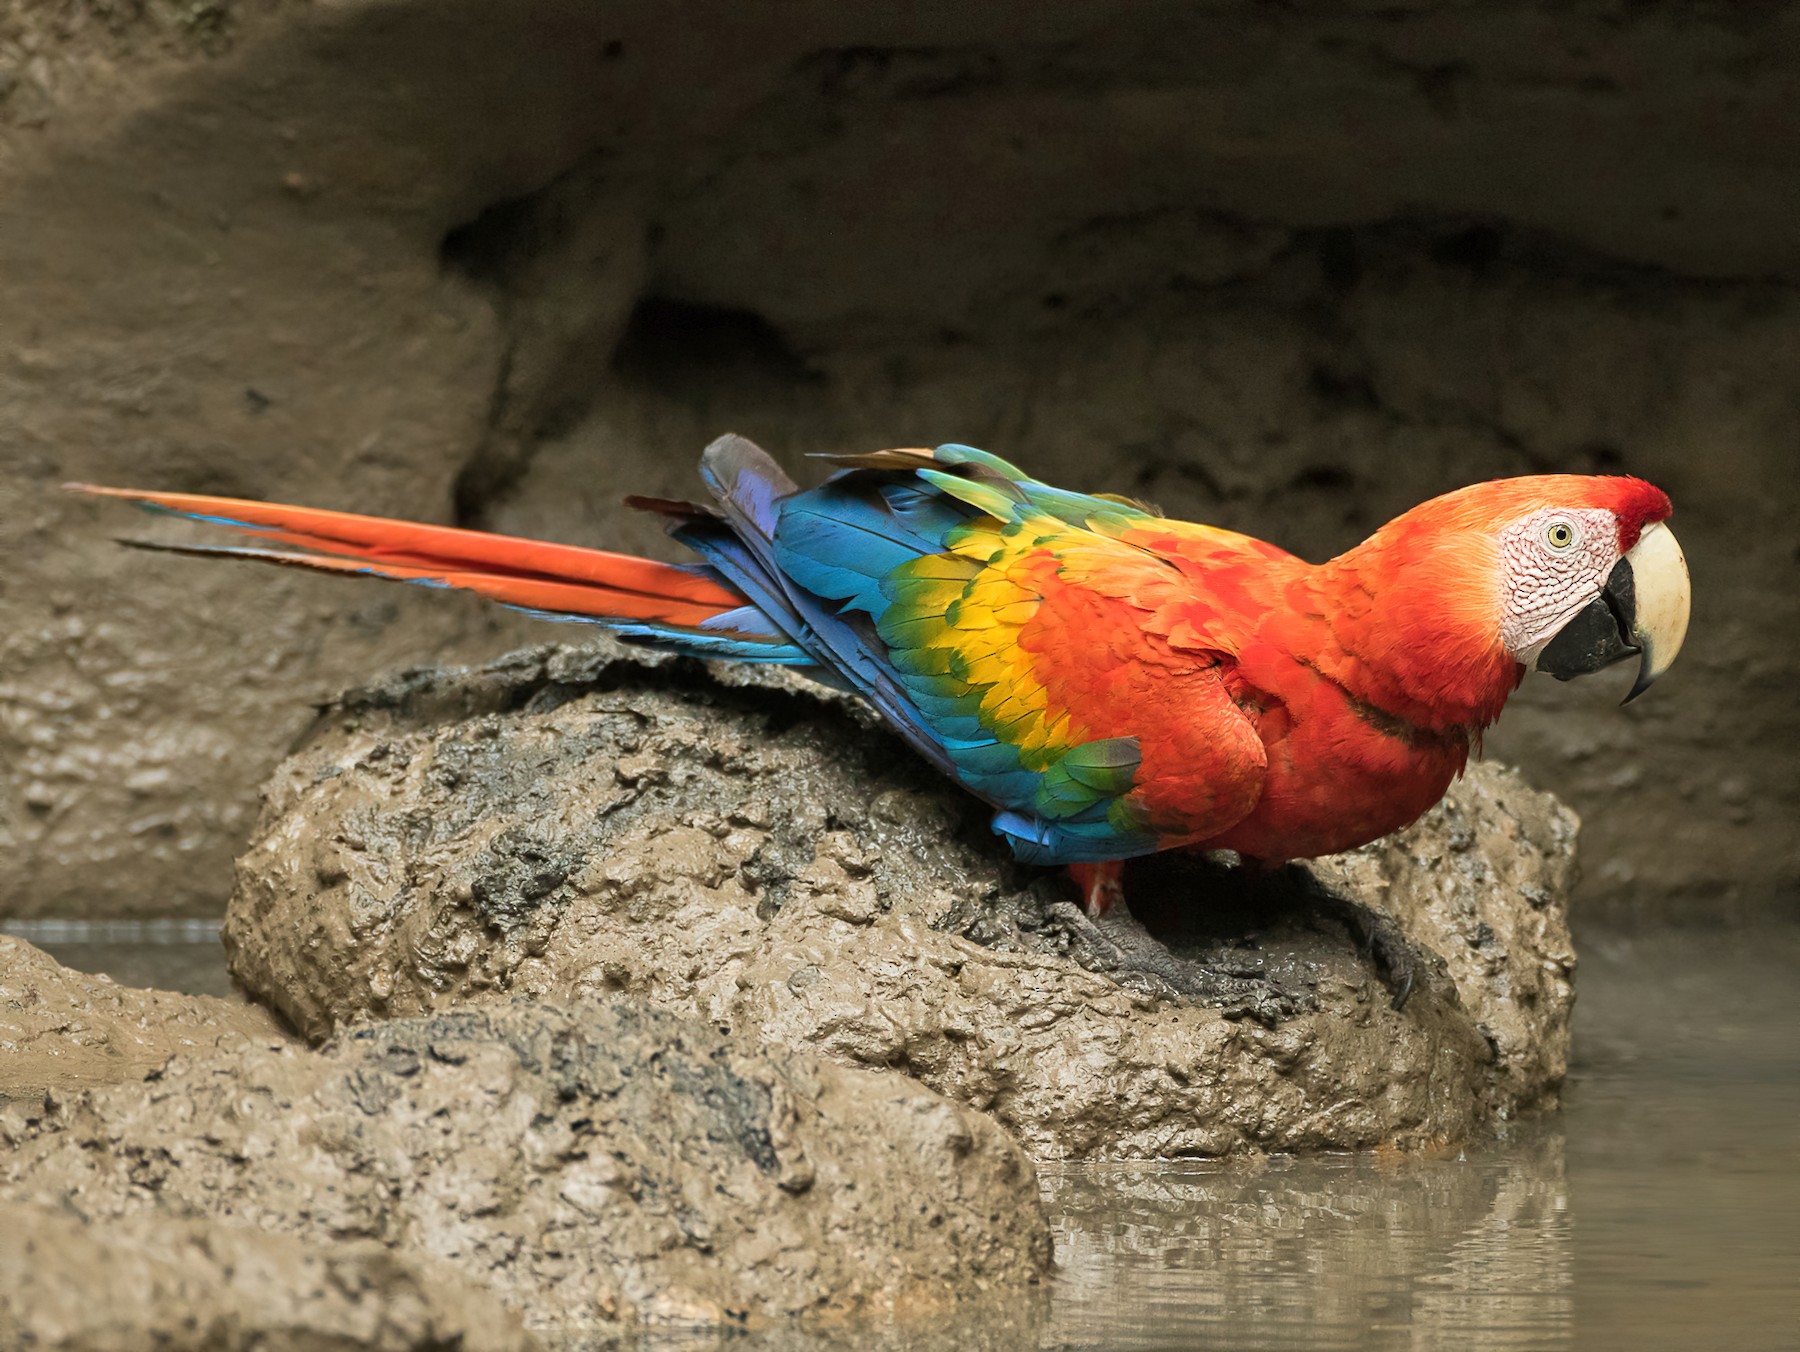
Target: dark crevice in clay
485, 250
677, 346
485, 247
542, 679
496, 464
531, 254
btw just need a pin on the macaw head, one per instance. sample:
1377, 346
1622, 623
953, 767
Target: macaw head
1595, 582
1567, 573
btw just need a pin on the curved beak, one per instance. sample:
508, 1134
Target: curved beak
1642, 611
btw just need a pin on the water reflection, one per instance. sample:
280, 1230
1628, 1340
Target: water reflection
1354, 1251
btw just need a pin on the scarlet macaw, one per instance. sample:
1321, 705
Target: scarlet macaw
1112, 682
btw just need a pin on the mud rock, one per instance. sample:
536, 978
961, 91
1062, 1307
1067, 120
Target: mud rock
63, 1030
576, 824
1482, 881
596, 1168
155, 1285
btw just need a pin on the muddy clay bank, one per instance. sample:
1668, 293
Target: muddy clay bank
202, 1286
583, 824
594, 1169
62, 1031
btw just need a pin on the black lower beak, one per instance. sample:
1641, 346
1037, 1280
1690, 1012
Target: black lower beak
1600, 635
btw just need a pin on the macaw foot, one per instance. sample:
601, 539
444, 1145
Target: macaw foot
1114, 944
1109, 938
1102, 885
1376, 932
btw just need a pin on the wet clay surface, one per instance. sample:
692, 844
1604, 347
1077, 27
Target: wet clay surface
576, 824
597, 1169
63, 1030
1658, 1208
152, 1284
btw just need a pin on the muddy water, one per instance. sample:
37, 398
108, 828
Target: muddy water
1659, 1210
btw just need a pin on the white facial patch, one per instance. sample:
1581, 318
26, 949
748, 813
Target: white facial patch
1556, 561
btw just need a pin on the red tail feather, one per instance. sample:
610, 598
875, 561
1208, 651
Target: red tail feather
565, 579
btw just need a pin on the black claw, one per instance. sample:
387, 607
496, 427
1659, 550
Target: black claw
1401, 983
1118, 946
1376, 933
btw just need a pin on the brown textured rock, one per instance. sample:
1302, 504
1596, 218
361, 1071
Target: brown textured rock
62, 1030
148, 1284
574, 824
594, 1168
1483, 882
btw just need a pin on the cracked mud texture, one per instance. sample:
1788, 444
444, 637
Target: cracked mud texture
597, 1168
150, 1284
63, 1030
579, 824
345, 254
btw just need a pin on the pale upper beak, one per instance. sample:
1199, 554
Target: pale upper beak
1642, 611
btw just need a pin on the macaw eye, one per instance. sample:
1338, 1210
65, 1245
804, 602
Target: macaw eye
1559, 535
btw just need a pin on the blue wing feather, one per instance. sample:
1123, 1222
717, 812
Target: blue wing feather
821, 563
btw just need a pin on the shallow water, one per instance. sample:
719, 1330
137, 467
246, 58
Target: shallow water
1659, 1210
171, 955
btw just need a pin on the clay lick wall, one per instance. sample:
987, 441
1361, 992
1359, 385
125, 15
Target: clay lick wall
1288, 269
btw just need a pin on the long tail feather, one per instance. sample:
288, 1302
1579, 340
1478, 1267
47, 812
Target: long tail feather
408, 544
686, 608
564, 600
